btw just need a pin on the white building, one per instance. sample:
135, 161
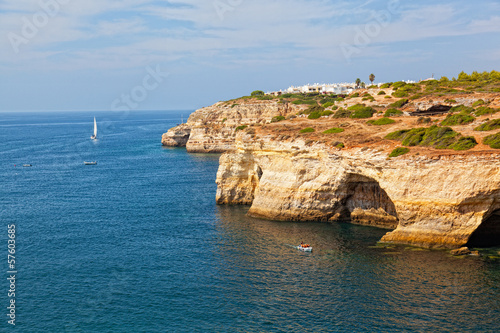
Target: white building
335, 88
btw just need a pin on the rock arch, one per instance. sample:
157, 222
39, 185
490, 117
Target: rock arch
365, 202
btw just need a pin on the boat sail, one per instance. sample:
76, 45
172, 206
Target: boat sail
94, 137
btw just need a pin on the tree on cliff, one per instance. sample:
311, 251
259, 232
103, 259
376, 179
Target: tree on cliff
257, 93
358, 82
372, 78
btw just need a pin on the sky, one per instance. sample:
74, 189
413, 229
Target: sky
66, 55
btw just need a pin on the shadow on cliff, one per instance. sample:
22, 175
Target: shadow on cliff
365, 202
488, 232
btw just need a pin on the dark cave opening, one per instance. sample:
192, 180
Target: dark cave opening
488, 233
366, 203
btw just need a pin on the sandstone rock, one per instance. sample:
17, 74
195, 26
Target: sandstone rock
461, 251
213, 129
436, 205
177, 136
437, 200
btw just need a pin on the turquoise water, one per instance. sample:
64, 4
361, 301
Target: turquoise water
137, 244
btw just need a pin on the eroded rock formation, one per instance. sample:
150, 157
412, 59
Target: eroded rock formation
430, 198
438, 202
213, 129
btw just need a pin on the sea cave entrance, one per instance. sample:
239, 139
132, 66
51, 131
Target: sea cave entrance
488, 233
366, 203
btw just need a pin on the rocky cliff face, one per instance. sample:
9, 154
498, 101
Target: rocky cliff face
429, 197
213, 129
177, 136
439, 202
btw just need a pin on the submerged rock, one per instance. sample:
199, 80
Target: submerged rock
461, 251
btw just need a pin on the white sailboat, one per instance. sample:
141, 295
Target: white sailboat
94, 137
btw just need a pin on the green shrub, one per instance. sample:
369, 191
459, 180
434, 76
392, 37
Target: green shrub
257, 93
399, 84
482, 110
381, 93
314, 109
450, 101
493, 141
333, 130
365, 112
414, 137
308, 130
354, 95
465, 143
239, 128
305, 101
328, 104
277, 119
424, 120
342, 113
478, 103
326, 113
381, 121
399, 151
314, 115
399, 104
392, 113
457, 119
265, 98
327, 100
416, 96
400, 93
224, 120
439, 137
385, 86
356, 107
434, 136
489, 126
339, 145
388, 97
462, 109
398, 135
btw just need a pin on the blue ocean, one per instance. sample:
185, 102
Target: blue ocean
136, 243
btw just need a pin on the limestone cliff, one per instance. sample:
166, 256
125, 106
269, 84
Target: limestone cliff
437, 198
213, 129
437, 202
177, 136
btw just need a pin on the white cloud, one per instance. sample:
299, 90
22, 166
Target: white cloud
89, 34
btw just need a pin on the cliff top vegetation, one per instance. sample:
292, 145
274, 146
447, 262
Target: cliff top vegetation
445, 116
